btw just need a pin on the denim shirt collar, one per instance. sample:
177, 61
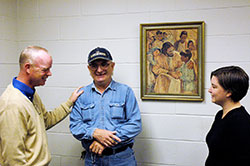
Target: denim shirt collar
25, 89
111, 86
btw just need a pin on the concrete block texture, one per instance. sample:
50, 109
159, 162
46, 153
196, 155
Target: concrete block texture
173, 131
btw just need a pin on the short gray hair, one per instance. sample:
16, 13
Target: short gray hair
27, 55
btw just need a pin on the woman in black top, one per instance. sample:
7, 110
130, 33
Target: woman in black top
229, 137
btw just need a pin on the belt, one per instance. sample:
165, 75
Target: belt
110, 151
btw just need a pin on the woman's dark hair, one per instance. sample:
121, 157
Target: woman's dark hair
233, 79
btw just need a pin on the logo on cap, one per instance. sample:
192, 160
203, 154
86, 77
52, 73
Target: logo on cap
97, 53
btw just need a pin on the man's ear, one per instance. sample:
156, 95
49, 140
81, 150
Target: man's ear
88, 67
27, 68
113, 64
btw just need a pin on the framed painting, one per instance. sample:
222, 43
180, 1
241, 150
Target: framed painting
172, 61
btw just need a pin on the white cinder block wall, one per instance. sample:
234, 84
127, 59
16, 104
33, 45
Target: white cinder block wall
8, 42
173, 132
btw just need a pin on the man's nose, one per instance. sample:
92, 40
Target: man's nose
99, 68
49, 73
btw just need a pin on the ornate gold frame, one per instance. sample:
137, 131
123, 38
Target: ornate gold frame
147, 33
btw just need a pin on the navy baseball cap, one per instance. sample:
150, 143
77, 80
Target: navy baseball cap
99, 53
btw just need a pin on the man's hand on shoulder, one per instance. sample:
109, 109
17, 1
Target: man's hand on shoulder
76, 94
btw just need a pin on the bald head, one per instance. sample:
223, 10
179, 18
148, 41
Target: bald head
30, 53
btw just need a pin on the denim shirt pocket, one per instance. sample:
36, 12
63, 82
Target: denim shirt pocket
117, 111
87, 111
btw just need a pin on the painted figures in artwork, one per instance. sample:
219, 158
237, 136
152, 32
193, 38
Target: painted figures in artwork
172, 61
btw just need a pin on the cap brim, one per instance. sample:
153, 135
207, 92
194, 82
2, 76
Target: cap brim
99, 58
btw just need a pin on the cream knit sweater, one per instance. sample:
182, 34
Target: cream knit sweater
23, 124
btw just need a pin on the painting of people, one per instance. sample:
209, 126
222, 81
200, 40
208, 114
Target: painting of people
172, 61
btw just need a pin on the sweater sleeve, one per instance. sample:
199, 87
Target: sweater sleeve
53, 117
13, 131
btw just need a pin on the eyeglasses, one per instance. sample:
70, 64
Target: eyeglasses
103, 65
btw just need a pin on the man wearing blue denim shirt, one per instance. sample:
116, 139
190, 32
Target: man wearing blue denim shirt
106, 118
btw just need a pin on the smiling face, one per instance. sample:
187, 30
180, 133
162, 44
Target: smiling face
218, 94
40, 69
101, 72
